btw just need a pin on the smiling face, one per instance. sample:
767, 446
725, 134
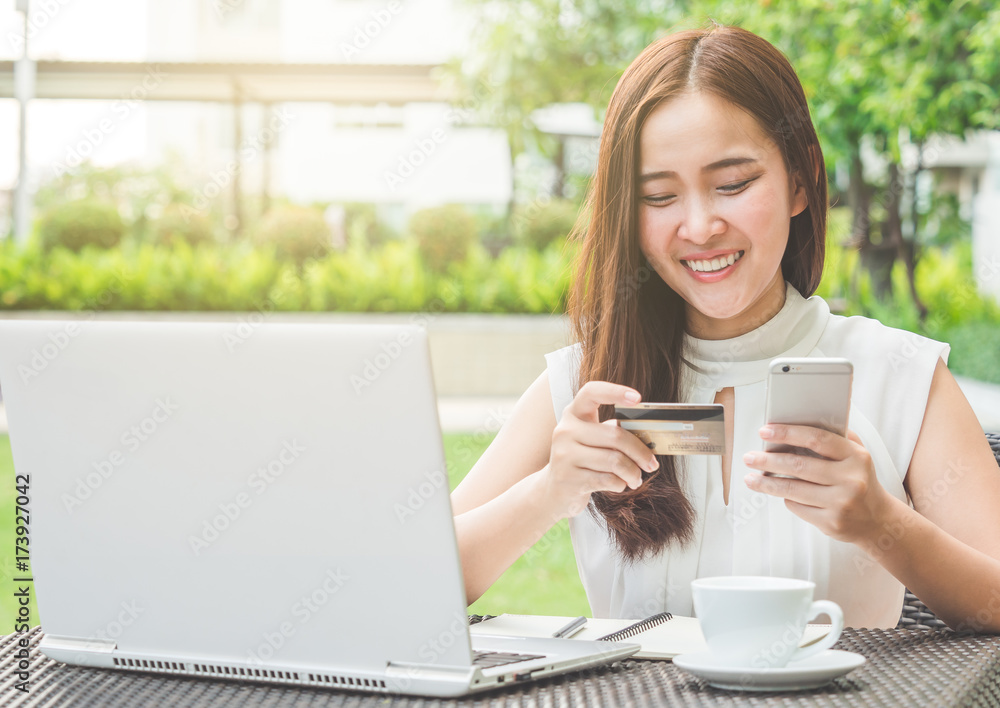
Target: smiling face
715, 202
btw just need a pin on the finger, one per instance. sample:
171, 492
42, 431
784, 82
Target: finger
810, 469
814, 515
610, 461
795, 490
822, 442
606, 482
594, 394
614, 436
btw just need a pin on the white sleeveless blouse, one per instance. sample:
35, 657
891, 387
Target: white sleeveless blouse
755, 534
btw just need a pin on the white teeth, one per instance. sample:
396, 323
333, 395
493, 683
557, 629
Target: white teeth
709, 266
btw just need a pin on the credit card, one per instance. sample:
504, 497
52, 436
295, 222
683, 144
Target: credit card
676, 428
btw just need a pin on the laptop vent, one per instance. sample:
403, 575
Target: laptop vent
149, 664
348, 681
223, 671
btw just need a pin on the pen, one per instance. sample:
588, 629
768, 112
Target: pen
570, 629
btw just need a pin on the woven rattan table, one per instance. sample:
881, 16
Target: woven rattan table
905, 668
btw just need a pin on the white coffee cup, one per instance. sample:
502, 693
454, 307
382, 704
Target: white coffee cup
757, 622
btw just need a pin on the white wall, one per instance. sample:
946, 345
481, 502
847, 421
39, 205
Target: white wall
317, 157
418, 156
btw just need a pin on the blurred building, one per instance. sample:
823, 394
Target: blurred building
388, 149
970, 169
399, 155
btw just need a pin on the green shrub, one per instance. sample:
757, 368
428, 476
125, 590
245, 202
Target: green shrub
241, 277
444, 235
180, 222
944, 224
956, 312
387, 279
296, 233
540, 223
361, 223
83, 222
975, 350
494, 232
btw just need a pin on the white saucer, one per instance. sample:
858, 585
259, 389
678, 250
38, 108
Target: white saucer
808, 673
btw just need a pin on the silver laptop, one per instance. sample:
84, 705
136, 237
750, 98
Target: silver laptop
260, 502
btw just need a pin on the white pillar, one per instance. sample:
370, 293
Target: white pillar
24, 90
986, 222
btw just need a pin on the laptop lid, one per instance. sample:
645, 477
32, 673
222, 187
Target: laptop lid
205, 491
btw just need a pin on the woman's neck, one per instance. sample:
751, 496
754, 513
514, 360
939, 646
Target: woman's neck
767, 306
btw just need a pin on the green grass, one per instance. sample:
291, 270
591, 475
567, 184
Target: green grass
8, 495
543, 581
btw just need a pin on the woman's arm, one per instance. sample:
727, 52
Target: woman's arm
946, 549
521, 447
537, 472
948, 553
491, 536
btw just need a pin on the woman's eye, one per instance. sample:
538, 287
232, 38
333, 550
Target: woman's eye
736, 187
658, 200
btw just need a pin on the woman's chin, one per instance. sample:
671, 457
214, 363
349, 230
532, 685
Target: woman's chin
722, 309
721, 313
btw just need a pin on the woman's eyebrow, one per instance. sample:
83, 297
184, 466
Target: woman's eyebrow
718, 165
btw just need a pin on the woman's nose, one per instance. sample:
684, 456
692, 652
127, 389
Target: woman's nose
699, 221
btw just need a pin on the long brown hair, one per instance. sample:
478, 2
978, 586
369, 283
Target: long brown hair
629, 322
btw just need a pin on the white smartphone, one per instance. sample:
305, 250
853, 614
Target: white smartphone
808, 391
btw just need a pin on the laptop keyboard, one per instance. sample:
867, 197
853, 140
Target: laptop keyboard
489, 659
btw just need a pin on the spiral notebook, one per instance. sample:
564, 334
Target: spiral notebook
661, 636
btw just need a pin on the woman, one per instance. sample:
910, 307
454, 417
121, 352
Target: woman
706, 239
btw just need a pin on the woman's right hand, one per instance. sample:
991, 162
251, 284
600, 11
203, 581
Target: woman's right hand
589, 456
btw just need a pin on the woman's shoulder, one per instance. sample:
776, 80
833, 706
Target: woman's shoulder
893, 371
563, 367
570, 350
564, 361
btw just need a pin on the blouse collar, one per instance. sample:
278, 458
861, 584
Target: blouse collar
793, 331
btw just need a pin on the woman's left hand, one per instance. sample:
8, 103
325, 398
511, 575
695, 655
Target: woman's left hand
839, 495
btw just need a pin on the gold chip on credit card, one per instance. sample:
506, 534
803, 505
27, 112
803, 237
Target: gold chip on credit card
676, 428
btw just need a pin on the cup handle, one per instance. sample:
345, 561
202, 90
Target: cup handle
836, 616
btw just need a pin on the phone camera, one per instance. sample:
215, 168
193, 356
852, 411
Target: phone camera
786, 368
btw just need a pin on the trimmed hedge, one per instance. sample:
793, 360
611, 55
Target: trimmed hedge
77, 224
296, 233
395, 278
243, 277
444, 235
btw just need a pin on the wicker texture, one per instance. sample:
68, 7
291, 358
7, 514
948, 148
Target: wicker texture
915, 613
911, 669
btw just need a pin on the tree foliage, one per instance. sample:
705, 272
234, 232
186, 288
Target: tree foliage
878, 74
533, 53
868, 66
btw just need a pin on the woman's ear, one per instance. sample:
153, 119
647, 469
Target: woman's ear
800, 198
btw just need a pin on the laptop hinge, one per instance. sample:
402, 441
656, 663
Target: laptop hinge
53, 641
429, 672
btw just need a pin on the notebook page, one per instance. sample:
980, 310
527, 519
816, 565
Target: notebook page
678, 635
